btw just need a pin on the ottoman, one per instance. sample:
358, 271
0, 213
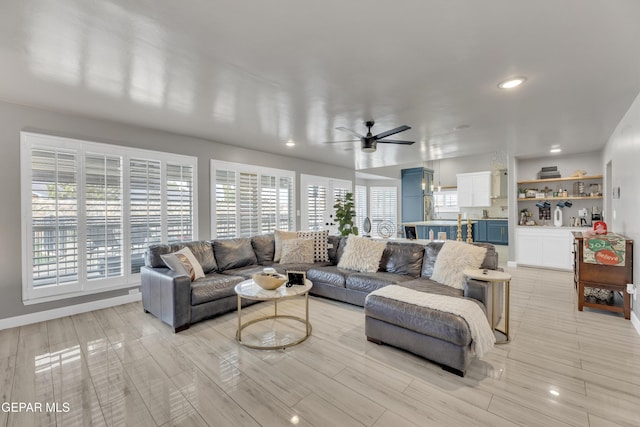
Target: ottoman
441, 337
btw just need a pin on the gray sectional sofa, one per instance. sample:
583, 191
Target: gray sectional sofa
177, 301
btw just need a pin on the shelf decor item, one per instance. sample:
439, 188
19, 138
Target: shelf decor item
269, 281
386, 229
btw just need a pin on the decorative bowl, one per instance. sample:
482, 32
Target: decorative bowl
269, 281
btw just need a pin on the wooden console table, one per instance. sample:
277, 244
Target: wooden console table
614, 278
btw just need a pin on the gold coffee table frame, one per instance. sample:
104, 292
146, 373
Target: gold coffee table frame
251, 291
494, 277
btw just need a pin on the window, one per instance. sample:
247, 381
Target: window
383, 207
446, 201
90, 210
318, 196
249, 200
361, 207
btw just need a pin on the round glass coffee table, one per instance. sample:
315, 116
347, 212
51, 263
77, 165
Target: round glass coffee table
251, 291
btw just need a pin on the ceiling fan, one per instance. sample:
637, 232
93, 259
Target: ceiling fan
369, 142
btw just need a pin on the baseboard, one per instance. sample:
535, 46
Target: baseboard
635, 321
43, 316
512, 264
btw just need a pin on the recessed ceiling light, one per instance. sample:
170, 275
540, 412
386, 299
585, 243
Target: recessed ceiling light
554, 392
555, 149
511, 83
290, 143
461, 127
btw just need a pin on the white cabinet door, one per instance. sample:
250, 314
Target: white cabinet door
465, 190
545, 247
474, 189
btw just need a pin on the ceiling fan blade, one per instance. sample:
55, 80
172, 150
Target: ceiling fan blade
346, 140
392, 131
354, 133
396, 141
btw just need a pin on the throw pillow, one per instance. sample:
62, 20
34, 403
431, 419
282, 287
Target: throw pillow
183, 261
452, 259
320, 243
362, 254
279, 237
297, 251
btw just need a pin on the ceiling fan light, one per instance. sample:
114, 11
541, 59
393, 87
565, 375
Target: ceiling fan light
368, 149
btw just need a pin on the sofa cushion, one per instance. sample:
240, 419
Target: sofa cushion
369, 282
298, 251
212, 287
453, 258
335, 248
234, 253
432, 249
184, 262
264, 248
201, 249
279, 236
247, 271
402, 258
362, 254
329, 275
320, 243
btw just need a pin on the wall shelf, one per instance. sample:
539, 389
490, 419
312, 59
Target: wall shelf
570, 178
532, 199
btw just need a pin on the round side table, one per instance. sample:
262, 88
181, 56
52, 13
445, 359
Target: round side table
495, 279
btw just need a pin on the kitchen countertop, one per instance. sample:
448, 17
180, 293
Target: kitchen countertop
439, 222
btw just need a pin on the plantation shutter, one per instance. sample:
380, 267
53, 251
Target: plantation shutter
103, 211
268, 203
317, 205
54, 216
179, 183
248, 205
225, 204
145, 215
285, 204
383, 206
361, 206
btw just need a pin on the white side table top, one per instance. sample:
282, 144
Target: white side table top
489, 276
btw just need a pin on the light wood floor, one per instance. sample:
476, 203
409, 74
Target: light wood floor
119, 366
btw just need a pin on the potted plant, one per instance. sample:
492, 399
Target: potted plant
345, 214
522, 193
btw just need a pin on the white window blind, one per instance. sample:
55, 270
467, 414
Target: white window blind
383, 206
103, 210
317, 204
90, 210
251, 200
361, 206
145, 208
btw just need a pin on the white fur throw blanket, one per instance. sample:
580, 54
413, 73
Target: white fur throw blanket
481, 333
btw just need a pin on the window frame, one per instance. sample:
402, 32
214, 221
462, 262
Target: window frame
260, 172
331, 185
372, 200
30, 141
445, 194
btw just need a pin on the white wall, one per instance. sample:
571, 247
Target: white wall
623, 151
14, 118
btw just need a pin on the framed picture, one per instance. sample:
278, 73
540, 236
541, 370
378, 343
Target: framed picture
296, 278
410, 232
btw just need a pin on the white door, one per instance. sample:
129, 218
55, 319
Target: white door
317, 196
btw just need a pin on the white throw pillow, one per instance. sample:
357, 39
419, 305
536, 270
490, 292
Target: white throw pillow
297, 251
279, 237
183, 261
320, 243
452, 259
362, 254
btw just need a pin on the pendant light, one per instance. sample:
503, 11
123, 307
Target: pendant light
439, 176
432, 186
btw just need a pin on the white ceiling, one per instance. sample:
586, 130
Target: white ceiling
256, 74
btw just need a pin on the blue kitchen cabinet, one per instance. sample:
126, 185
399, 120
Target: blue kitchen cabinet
412, 195
498, 232
480, 231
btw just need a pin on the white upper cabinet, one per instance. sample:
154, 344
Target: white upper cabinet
474, 189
